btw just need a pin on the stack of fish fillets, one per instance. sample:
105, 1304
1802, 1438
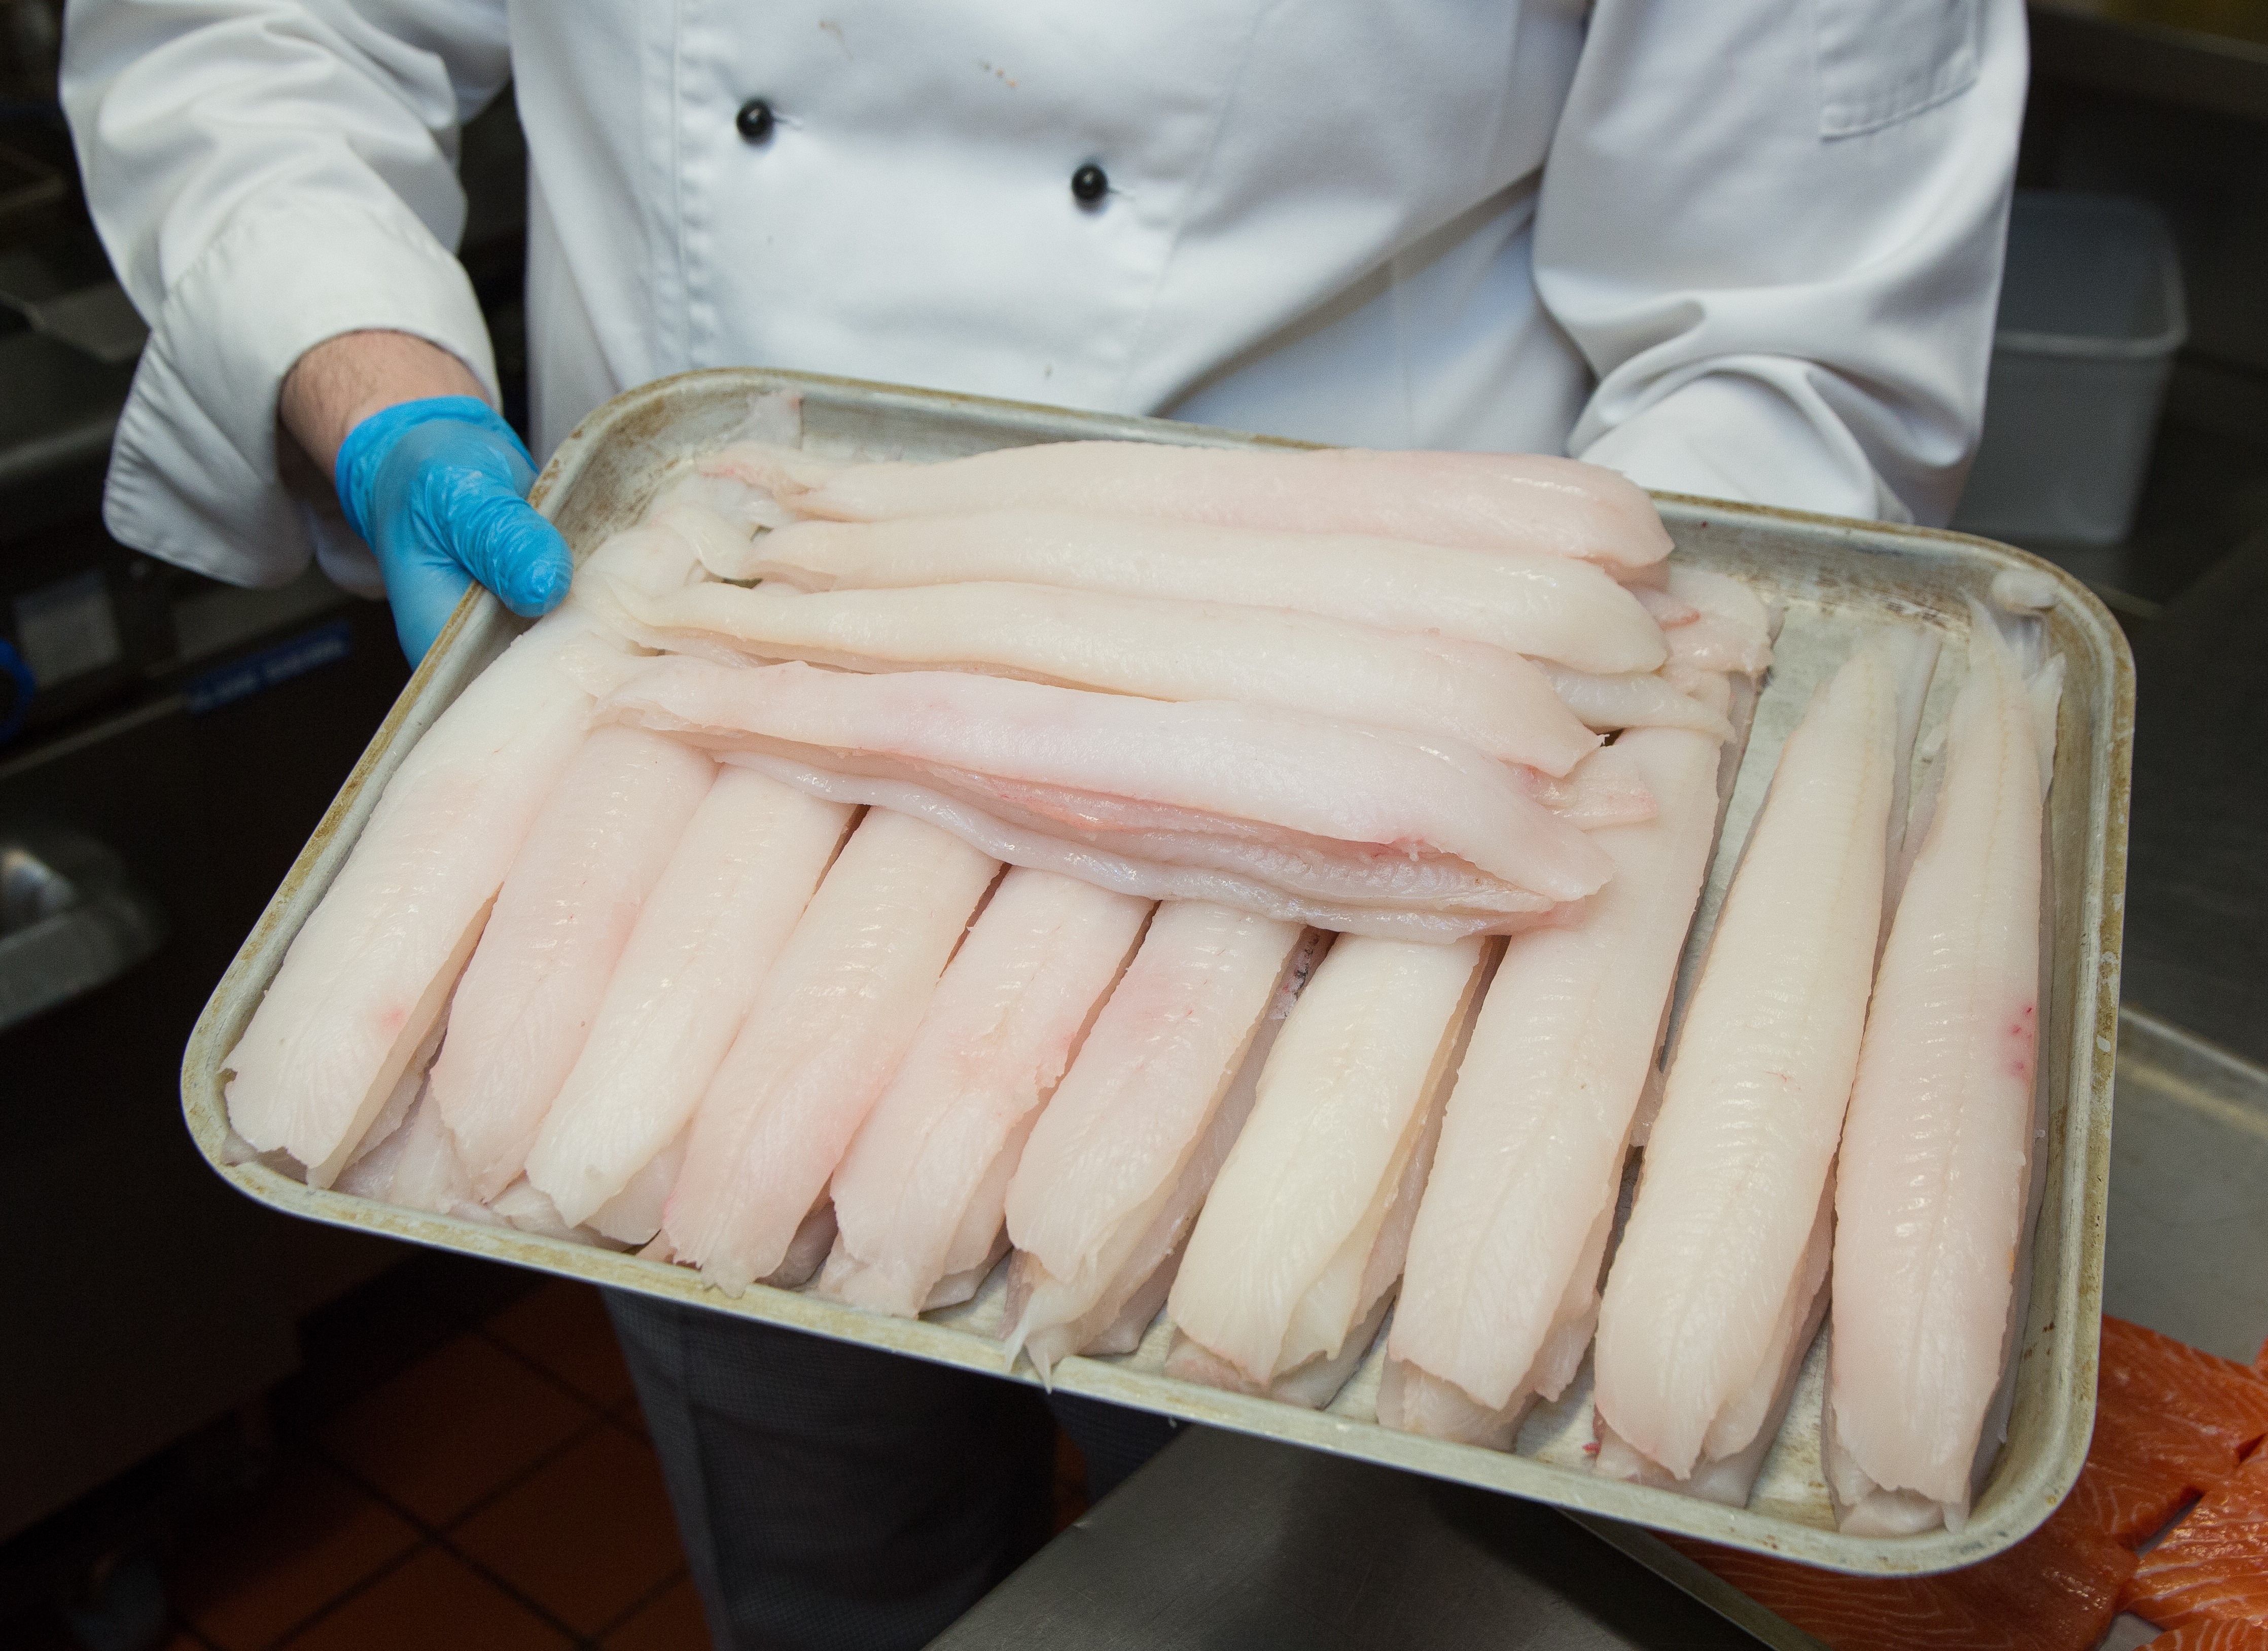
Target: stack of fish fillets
1178, 881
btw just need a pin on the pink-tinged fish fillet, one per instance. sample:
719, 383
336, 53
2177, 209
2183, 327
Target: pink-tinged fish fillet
1105, 1160
921, 1195
1635, 700
1516, 502
1350, 814
370, 969
1548, 606
743, 871
528, 997
1047, 846
1737, 1160
1731, 629
828, 1027
1931, 1179
1503, 1270
1162, 649
1283, 1265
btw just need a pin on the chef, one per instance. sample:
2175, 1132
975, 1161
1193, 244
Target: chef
1746, 248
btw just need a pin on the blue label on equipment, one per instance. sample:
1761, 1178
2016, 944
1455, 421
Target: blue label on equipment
326, 644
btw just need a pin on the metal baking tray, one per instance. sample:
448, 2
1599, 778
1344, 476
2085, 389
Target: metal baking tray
1833, 580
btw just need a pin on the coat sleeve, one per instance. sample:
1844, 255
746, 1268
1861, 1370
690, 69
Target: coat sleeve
266, 175
1775, 229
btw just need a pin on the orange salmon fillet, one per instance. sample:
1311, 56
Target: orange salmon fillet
2211, 1636
2171, 1425
2213, 1568
2056, 1590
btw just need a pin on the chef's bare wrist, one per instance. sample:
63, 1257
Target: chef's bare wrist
343, 381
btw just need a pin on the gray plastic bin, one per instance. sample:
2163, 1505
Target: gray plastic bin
2090, 317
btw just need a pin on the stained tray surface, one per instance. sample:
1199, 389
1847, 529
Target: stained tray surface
1833, 581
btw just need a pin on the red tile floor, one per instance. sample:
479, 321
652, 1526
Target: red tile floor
498, 1493
476, 1476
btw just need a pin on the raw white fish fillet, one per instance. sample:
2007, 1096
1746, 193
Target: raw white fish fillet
1633, 699
1353, 815
1933, 1175
1162, 649
743, 871
1502, 1278
634, 1213
829, 1022
1738, 1158
416, 1168
528, 997
1022, 845
521, 1206
409, 1090
1097, 1181
1518, 502
921, 1195
1283, 1262
370, 969
1113, 1318
1729, 1476
1731, 628
1549, 607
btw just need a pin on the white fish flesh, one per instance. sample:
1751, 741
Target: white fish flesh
1355, 815
1933, 1175
1633, 699
1110, 868
369, 971
921, 1196
1738, 1158
1518, 502
1726, 1473
533, 986
1285, 1265
1730, 630
1096, 1186
1547, 606
1162, 649
634, 1215
827, 1030
1501, 1288
744, 870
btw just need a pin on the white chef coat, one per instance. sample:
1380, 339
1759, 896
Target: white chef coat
1747, 248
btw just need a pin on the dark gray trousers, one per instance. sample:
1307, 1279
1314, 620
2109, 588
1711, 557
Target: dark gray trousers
834, 1496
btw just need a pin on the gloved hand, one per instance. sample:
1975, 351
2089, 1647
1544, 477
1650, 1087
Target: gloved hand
437, 488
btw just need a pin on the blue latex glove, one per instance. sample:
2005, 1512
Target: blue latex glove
437, 488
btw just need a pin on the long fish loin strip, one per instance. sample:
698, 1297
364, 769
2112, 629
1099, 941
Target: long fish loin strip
565, 912
1933, 1175
1211, 872
1737, 1160
827, 1030
1495, 701
1518, 501
1359, 814
1501, 1288
921, 1196
1548, 606
369, 971
743, 871
1283, 1265
1108, 1152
